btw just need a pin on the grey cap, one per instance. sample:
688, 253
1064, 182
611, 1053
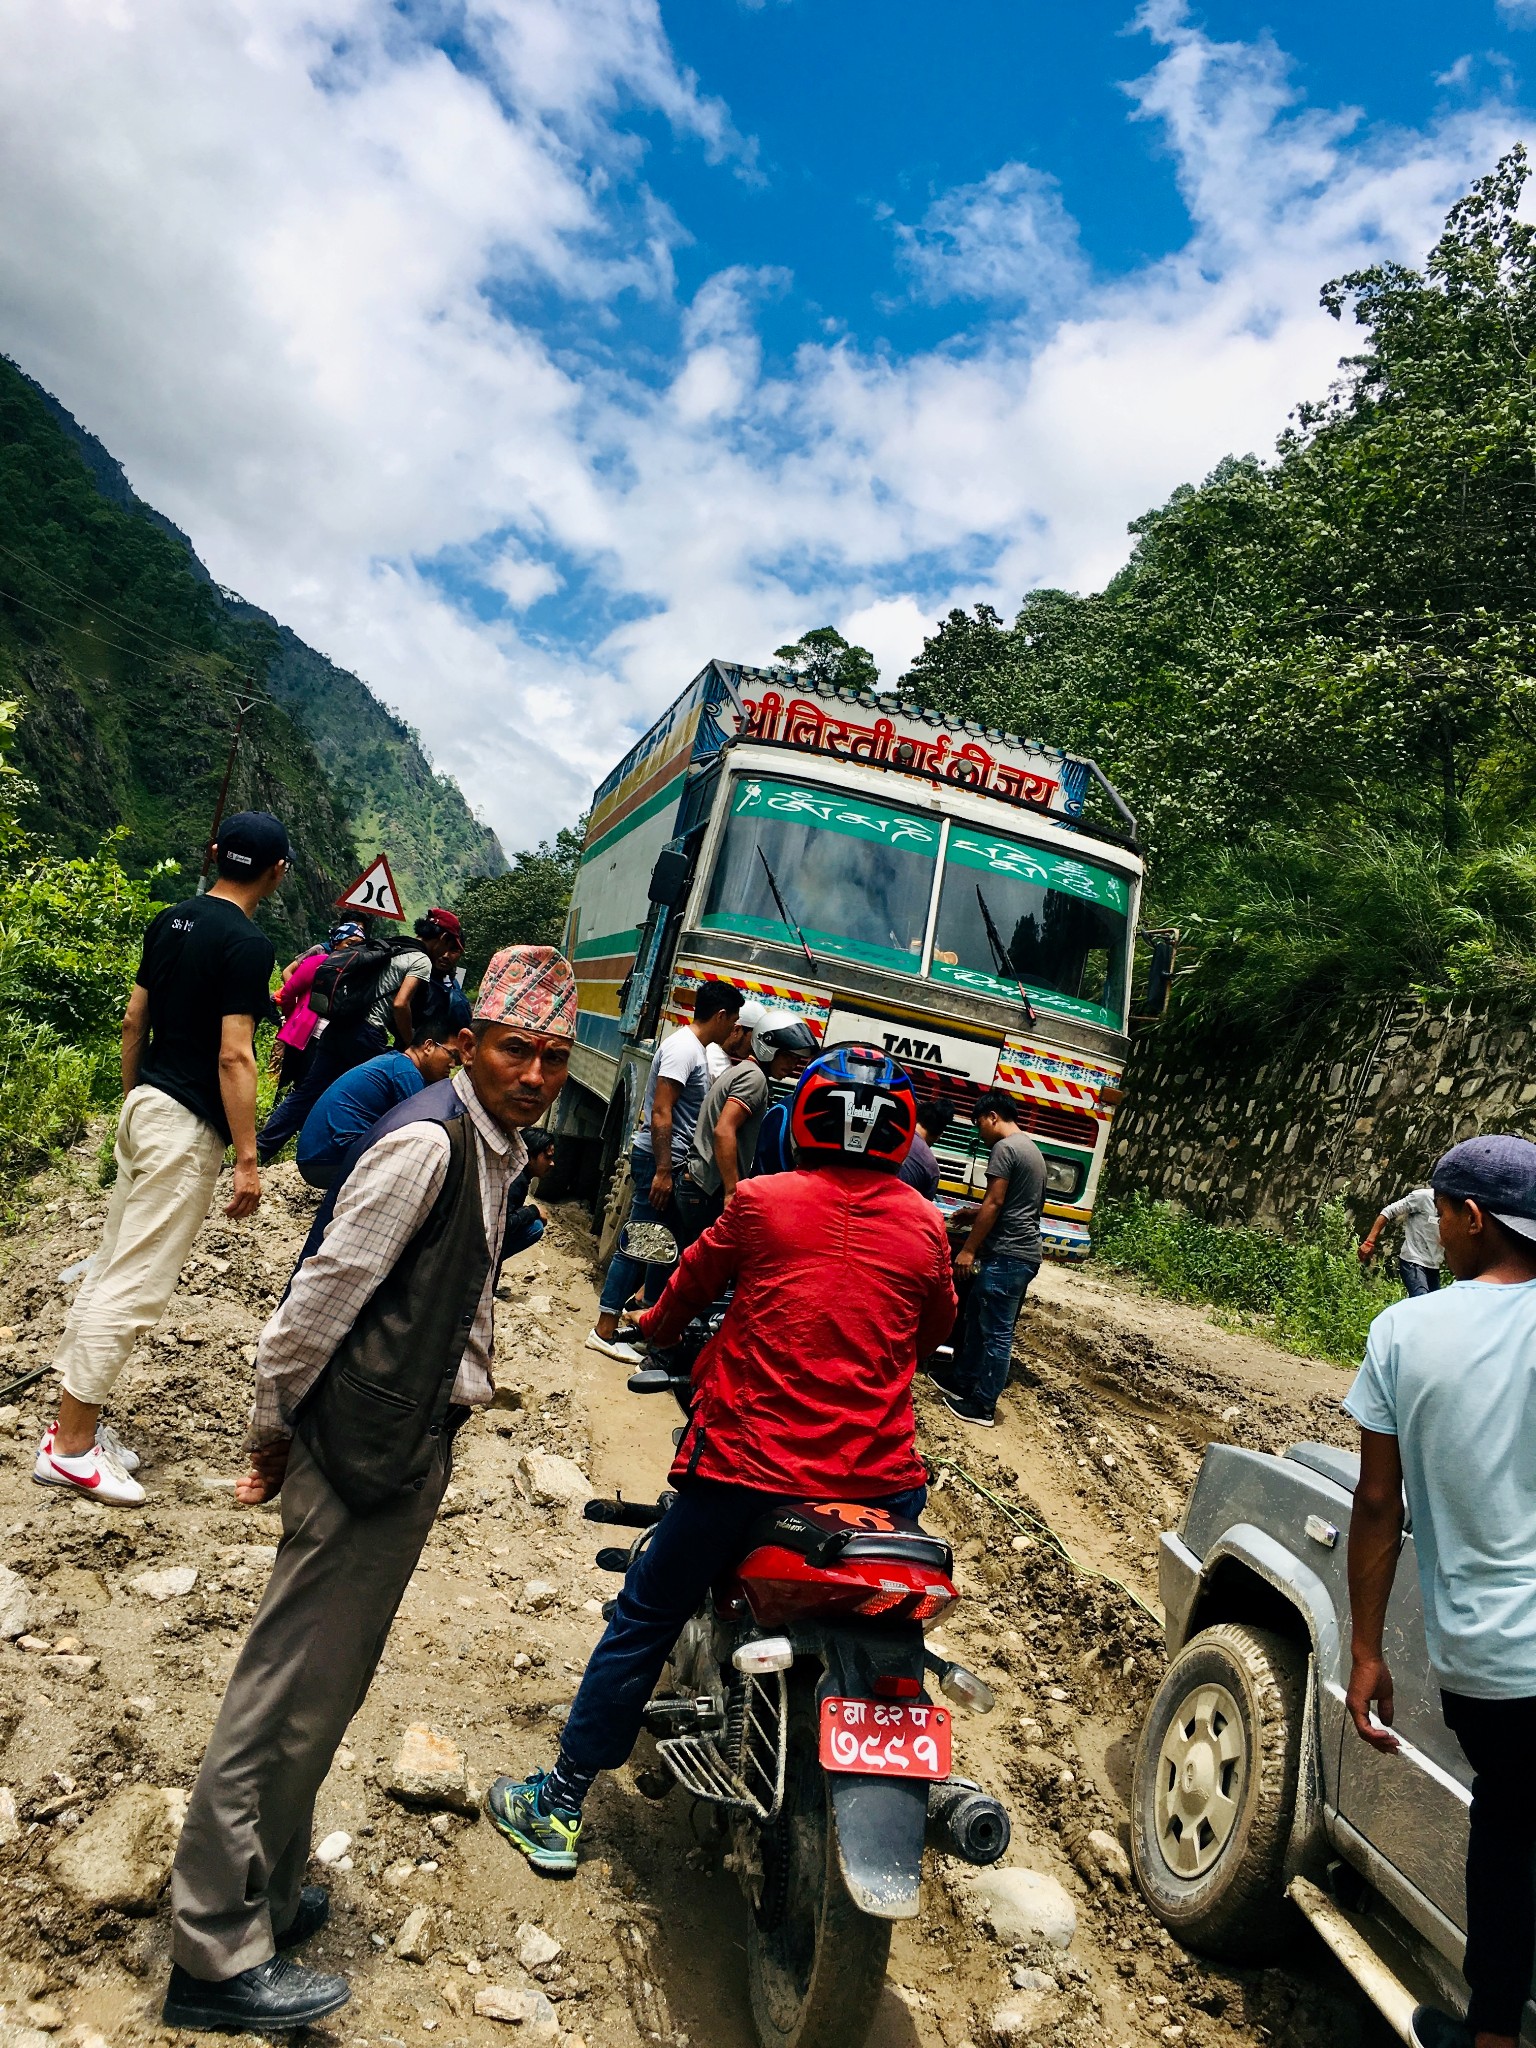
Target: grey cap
1498, 1172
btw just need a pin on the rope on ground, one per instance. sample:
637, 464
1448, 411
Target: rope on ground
1031, 1523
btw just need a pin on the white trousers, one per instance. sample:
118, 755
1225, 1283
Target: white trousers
168, 1164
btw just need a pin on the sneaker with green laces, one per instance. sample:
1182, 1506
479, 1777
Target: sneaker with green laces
548, 1840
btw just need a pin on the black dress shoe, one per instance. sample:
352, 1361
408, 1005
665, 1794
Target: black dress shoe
314, 1911
273, 1998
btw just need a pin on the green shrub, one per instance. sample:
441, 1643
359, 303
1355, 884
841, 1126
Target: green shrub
1308, 1289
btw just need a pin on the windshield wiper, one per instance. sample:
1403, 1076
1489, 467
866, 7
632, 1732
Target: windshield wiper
778, 897
1002, 960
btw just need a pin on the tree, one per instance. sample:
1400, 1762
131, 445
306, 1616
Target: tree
824, 659
524, 907
1315, 678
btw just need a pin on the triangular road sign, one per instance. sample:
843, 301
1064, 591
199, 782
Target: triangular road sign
374, 893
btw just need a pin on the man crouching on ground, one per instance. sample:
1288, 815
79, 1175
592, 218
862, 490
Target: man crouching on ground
377, 1354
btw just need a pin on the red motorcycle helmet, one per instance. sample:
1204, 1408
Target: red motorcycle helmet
854, 1107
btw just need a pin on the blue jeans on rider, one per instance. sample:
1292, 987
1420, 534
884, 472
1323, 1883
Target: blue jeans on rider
625, 1274
997, 1291
700, 1537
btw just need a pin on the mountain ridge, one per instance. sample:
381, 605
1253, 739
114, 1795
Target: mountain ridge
105, 622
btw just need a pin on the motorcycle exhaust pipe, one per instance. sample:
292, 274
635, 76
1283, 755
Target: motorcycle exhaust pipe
966, 1822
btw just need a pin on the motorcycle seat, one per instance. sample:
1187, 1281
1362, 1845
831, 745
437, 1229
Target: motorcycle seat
824, 1531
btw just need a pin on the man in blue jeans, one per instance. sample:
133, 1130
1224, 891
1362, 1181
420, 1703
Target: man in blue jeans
674, 1095
1001, 1256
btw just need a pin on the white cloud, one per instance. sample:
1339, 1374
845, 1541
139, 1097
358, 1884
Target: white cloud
317, 286
1522, 13
1007, 238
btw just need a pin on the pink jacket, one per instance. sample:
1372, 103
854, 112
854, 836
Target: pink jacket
299, 1020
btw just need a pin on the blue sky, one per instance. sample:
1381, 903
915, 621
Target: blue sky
522, 354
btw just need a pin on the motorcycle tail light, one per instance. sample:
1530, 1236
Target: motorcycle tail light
891, 1685
780, 1586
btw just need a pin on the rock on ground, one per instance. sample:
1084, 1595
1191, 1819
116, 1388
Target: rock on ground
429, 1771
1024, 1905
503, 2002
550, 1481
418, 1936
15, 1605
535, 1948
170, 1582
120, 1857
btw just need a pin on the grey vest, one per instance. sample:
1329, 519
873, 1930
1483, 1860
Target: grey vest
373, 1419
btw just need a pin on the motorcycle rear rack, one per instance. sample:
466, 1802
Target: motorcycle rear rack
744, 1770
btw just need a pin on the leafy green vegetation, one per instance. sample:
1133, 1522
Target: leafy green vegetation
70, 931
1308, 1290
824, 658
524, 907
1315, 679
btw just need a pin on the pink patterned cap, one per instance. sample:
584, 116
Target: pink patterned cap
532, 986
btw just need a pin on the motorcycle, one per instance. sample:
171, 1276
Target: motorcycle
798, 1712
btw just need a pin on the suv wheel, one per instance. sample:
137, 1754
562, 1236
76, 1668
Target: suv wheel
1215, 1789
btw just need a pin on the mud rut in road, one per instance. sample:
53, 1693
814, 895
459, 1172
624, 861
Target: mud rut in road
1114, 1395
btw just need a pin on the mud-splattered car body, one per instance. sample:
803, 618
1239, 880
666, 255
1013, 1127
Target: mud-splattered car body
1260, 1559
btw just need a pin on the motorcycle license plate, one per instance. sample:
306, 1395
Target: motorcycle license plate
882, 1739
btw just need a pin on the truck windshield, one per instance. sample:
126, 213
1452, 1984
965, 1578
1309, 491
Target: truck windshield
856, 876
1062, 924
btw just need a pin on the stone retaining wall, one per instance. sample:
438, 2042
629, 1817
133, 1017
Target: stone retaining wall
1360, 1112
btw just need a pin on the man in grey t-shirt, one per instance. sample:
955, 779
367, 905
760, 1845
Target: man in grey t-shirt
725, 1138
1419, 1259
1001, 1256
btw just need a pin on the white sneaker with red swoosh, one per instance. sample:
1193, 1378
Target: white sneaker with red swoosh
107, 1438
95, 1473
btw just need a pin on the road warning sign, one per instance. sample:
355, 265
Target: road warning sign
374, 893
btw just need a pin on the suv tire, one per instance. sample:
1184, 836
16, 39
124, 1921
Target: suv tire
1215, 1789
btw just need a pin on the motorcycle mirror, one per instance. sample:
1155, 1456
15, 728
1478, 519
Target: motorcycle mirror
767, 1653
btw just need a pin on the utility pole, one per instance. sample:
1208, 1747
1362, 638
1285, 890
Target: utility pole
242, 705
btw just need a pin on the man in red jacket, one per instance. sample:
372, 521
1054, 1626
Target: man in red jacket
843, 1281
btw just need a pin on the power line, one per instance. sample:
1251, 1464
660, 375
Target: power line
83, 597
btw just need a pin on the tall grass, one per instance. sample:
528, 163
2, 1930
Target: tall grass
1307, 1289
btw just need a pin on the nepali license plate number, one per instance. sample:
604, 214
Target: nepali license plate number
884, 1740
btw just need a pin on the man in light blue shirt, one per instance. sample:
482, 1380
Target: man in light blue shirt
1446, 1403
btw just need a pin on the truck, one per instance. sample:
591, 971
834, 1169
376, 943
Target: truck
961, 897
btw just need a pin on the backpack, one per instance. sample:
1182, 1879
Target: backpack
346, 983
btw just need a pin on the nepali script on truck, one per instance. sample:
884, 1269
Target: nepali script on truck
965, 899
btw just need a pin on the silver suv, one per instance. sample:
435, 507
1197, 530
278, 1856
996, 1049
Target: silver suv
1251, 1784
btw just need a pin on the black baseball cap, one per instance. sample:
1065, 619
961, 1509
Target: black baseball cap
249, 843
1498, 1172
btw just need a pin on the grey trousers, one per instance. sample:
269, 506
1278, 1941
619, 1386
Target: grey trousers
308, 1661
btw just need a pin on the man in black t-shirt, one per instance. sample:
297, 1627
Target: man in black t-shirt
189, 1089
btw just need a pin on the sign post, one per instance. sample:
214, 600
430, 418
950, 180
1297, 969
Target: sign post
373, 893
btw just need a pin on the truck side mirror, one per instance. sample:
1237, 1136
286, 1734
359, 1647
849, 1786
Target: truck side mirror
669, 877
1154, 1001
1160, 980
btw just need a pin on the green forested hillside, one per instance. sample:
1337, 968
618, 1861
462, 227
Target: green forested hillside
1315, 680
124, 658
123, 667
394, 797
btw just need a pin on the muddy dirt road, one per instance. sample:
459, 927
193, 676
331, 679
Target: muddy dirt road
114, 1677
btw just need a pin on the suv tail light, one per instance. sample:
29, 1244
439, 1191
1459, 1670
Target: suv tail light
781, 1586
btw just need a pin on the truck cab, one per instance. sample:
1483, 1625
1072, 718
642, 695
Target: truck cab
894, 878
